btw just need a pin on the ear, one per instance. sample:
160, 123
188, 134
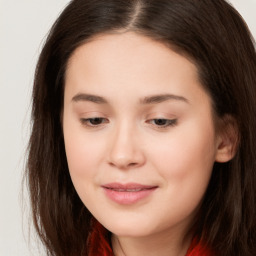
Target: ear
227, 139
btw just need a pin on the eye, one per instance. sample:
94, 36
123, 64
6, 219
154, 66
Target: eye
94, 121
162, 122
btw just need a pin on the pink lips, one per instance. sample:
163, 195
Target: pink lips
127, 193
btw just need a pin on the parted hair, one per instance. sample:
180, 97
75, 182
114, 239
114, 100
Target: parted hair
213, 35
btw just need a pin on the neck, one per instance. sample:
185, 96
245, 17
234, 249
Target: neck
158, 244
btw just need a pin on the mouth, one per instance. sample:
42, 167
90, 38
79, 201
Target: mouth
127, 190
129, 193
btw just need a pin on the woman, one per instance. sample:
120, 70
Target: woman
143, 130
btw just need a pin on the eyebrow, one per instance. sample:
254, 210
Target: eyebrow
154, 99
89, 97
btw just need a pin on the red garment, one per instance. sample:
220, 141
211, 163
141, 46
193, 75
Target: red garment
99, 246
196, 249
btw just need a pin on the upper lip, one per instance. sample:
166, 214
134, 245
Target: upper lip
127, 186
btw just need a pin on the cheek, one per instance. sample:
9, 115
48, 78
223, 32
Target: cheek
185, 160
83, 161
83, 153
84, 157
185, 164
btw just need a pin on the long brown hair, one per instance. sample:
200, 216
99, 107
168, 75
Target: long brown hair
215, 37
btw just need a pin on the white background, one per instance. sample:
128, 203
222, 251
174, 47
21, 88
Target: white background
23, 26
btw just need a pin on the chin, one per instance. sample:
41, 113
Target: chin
129, 227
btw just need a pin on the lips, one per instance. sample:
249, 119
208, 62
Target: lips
127, 190
127, 193
127, 186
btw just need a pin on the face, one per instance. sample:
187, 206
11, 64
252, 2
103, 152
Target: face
139, 134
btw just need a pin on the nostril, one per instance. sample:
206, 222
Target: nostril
132, 164
121, 164
125, 155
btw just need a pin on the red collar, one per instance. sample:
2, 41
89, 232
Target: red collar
99, 246
196, 249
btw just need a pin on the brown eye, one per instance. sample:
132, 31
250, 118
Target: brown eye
162, 122
95, 121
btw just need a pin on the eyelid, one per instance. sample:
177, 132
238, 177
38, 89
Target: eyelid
86, 122
169, 120
166, 122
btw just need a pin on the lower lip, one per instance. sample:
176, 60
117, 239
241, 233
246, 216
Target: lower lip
128, 197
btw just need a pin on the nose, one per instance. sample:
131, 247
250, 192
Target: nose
125, 150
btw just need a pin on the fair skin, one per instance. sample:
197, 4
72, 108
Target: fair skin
136, 113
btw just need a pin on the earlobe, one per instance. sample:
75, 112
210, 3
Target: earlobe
227, 141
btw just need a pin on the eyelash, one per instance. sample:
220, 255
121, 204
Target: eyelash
88, 121
167, 122
101, 120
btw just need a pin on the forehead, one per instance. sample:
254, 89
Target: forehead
128, 64
128, 51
